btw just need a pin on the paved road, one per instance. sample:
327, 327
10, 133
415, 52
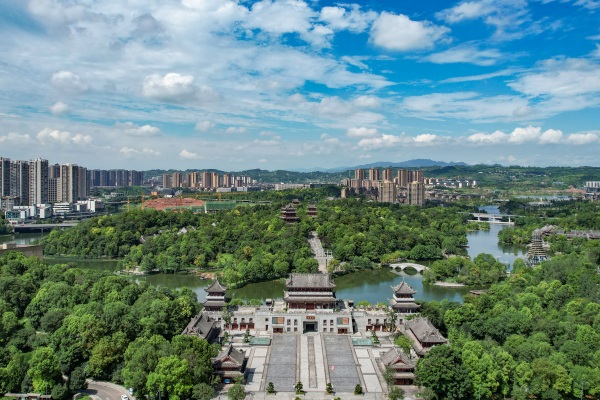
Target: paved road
106, 391
320, 255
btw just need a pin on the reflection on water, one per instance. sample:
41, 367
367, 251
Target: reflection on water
373, 286
21, 238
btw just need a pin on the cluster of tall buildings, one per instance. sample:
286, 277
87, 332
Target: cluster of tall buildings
115, 178
25, 183
388, 186
204, 180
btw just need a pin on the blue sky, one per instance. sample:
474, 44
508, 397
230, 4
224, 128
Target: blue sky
291, 84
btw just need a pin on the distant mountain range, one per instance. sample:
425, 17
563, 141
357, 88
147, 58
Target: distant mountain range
416, 163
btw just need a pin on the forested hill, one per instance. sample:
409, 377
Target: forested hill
486, 175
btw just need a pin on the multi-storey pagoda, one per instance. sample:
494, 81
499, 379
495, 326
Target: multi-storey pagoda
215, 297
312, 211
309, 292
404, 300
288, 214
536, 253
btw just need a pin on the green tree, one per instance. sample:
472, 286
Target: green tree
44, 370
404, 343
171, 376
395, 393
203, 391
271, 388
329, 388
236, 392
358, 389
442, 371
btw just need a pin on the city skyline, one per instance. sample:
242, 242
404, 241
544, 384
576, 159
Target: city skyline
292, 85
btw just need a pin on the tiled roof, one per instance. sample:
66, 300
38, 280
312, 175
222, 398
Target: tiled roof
215, 287
401, 304
309, 281
230, 356
424, 331
201, 326
403, 288
396, 356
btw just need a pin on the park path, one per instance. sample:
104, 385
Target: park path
321, 255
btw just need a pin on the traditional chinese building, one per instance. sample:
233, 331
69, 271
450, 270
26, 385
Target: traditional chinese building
215, 297
402, 366
404, 300
309, 292
312, 211
230, 364
425, 333
202, 326
288, 214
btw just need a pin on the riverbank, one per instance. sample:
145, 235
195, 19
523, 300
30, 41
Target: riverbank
449, 284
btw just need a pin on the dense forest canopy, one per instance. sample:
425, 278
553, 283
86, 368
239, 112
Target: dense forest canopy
535, 335
62, 321
252, 244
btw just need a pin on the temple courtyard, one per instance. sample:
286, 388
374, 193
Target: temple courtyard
315, 359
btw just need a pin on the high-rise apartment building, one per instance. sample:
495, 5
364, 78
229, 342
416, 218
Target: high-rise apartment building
387, 192
83, 184
38, 181
166, 181
374, 174
20, 172
416, 193
177, 180
359, 174
417, 176
227, 180
403, 178
192, 180
67, 187
388, 175
4, 177
136, 178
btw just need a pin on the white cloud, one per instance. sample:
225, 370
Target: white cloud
15, 137
483, 138
204, 126
582, 138
383, 141
81, 139
561, 78
361, 132
463, 105
551, 136
367, 102
68, 82
189, 155
518, 136
465, 11
172, 87
59, 108
131, 129
426, 138
280, 16
400, 33
522, 135
48, 135
340, 18
128, 151
235, 130
468, 54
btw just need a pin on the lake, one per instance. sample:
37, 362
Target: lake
373, 286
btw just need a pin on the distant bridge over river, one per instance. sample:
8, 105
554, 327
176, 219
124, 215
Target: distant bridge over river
43, 227
491, 218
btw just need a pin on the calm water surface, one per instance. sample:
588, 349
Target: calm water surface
373, 286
